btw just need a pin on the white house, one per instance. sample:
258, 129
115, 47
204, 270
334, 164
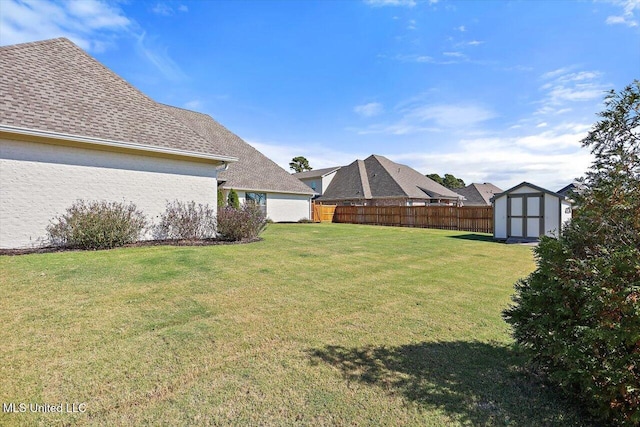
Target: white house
72, 129
318, 179
526, 212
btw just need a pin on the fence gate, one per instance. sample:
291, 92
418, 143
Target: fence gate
323, 213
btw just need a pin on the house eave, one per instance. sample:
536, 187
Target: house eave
57, 138
264, 190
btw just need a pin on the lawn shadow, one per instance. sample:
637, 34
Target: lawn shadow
475, 383
474, 237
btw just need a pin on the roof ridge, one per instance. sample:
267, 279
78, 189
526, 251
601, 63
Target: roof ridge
364, 179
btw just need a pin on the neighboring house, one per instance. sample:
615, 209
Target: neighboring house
317, 179
377, 181
254, 176
526, 212
72, 129
478, 194
569, 190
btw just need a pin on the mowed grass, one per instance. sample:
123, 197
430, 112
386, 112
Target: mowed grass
318, 324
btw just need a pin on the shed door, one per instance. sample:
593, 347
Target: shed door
525, 215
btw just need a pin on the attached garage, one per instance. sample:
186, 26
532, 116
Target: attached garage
526, 212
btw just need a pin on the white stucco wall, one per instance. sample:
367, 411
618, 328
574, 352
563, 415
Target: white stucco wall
283, 207
39, 181
500, 218
551, 215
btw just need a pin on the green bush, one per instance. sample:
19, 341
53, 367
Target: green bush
186, 221
233, 200
240, 224
96, 225
577, 316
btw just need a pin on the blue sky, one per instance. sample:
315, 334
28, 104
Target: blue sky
491, 91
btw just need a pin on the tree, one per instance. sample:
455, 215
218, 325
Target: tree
577, 316
221, 200
436, 178
451, 181
233, 200
299, 164
448, 181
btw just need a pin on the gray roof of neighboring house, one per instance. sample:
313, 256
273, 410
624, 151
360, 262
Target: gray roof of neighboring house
253, 170
378, 177
54, 86
574, 187
315, 173
478, 194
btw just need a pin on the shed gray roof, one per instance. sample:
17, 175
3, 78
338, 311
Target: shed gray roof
55, 86
527, 184
478, 194
253, 170
378, 177
315, 173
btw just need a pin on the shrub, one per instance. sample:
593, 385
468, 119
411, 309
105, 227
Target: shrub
186, 221
240, 224
97, 225
577, 316
221, 201
233, 200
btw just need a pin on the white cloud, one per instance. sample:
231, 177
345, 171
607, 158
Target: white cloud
628, 17
506, 162
415, 118
565, 87
369, 110
162, 8
148, 48
318, 155
91, 24
455, 116
461, 28
382, 3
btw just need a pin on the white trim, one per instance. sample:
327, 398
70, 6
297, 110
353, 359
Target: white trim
115, 144
262, 190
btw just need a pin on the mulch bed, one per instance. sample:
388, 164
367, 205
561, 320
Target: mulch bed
168, 242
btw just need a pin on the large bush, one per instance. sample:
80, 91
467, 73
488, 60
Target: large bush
186, 221
96, 225
240, 224
578, 315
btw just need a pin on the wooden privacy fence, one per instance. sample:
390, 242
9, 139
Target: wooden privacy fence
323, 213
477, 219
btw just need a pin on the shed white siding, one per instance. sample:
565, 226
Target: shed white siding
39, 181
283, 207
527, 211
552, 215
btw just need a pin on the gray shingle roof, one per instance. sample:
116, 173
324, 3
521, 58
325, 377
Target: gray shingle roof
478, 194
54, 86
253, 170
379, 177
315, 173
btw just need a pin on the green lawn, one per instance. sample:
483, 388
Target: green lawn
318, 324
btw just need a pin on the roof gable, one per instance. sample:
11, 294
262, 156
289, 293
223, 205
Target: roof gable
55, 86
527, 184
316, 173
253, 170
379, 177
478, 194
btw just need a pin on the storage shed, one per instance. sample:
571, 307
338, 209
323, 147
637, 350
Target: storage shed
526, 212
